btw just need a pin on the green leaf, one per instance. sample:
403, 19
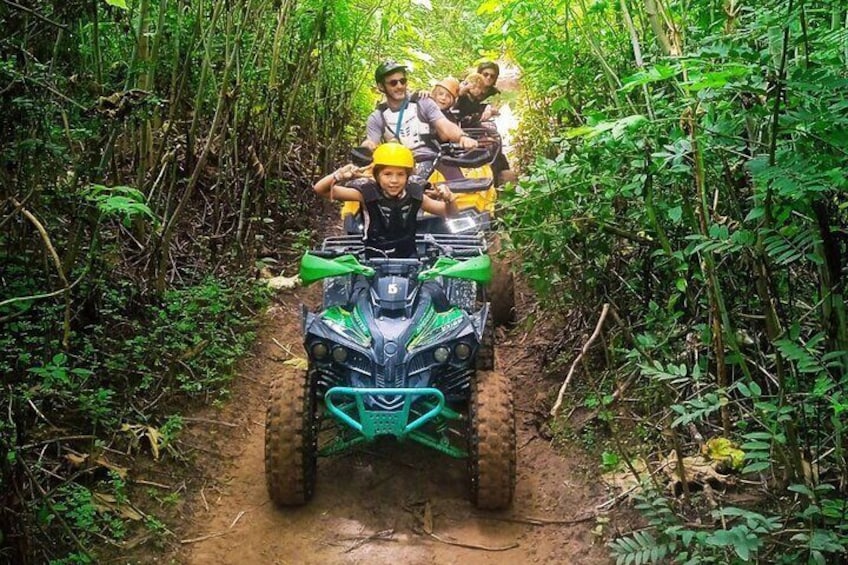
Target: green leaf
674, 214
801, 489
122, 4
756, 467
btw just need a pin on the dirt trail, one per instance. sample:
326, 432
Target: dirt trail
369, 506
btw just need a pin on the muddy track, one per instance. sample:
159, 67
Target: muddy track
387, 503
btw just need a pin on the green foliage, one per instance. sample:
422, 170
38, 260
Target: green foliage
150, 153
123, 201
739, 541
610, 461
698, 188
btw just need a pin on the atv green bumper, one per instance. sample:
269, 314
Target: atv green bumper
420, 406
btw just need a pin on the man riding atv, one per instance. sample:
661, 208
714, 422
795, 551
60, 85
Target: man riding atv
411, 120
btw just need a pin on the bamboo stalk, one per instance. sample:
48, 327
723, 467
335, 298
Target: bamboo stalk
659, 33
225, 98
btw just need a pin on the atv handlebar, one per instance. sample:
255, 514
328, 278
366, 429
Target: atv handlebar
452, 154
430, 246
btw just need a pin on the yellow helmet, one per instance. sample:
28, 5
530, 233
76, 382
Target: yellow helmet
393, 154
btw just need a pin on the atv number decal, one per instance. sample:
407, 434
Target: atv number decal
392, 288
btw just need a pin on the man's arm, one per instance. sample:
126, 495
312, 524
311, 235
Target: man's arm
373, 130
451, 132
445, 129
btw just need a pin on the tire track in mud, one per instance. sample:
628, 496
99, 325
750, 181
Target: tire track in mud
377, 505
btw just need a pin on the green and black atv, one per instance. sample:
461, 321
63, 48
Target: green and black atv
402, 348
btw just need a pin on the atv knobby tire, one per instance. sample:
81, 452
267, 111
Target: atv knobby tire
492, 441
502, 293
486, 352
291, 445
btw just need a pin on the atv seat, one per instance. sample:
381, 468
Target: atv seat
471, 158
469, 185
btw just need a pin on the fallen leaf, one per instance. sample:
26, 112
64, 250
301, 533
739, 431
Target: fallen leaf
428, 518
103, 502
625, 480
297, 363
76, 460
120, 471
283, 283
265, 273
724, 452
155, 439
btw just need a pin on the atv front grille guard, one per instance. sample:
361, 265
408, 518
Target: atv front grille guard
421, 406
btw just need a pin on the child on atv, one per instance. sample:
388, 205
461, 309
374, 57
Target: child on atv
444, 94
391, 201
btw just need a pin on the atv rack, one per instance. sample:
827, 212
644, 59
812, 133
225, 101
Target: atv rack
451, 245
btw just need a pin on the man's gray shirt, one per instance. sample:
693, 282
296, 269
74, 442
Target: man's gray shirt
418, 125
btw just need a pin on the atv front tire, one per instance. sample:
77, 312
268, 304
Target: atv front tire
486, 351
492, 441
502, 293
291, 441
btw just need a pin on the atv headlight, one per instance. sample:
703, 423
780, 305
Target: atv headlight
461, 224
462, 351
441, 354
319, 350
339, 354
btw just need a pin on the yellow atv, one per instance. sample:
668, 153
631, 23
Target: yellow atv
469, 175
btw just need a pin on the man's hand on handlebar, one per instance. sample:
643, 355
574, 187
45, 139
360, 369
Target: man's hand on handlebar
489, 113
467, 142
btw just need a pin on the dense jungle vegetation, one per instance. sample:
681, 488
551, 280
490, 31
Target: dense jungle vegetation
682, 172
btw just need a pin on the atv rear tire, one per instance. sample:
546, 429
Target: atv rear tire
502, 293
492, 441
291, 441
486, 352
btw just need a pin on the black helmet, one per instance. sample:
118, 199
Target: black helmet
387, 68
489, 65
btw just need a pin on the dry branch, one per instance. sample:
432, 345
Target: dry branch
48, 244
32, 12
533, 521
382, 535
206, 537
208, 421
598, 326
437, 537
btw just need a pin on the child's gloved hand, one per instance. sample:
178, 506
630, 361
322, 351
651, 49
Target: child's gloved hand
440, 192
347, 172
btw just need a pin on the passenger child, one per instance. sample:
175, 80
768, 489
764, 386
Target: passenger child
445, 94
391, 201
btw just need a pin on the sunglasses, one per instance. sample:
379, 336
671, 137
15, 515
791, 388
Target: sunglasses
396, 81
489, 75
